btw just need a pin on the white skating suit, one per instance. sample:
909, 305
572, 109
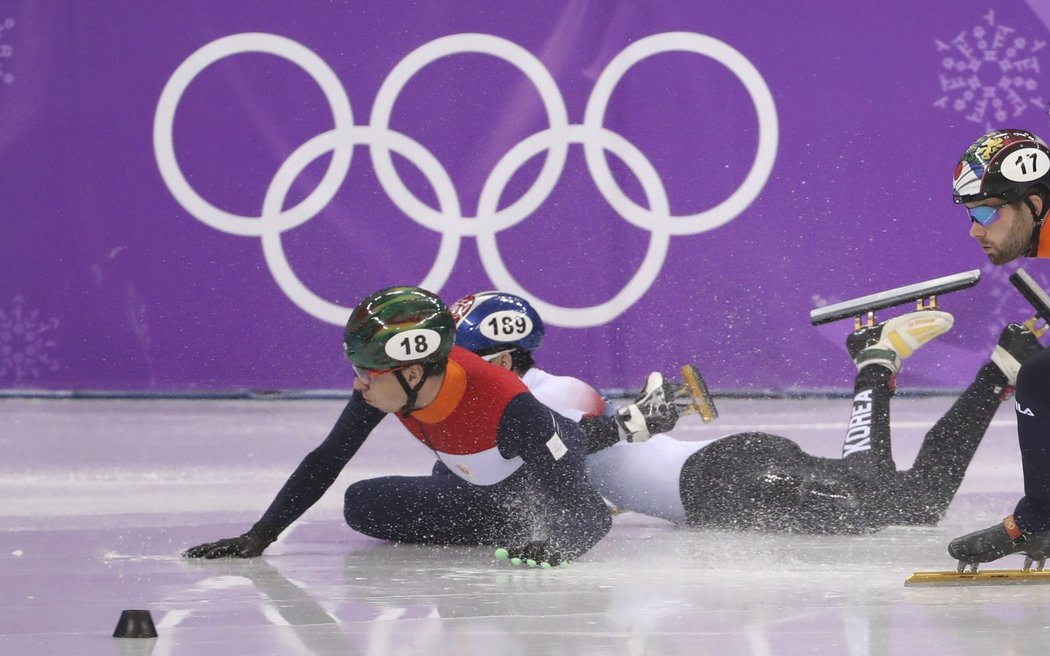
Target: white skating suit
645, 477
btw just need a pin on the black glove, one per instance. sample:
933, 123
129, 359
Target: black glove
249, 545
534, 554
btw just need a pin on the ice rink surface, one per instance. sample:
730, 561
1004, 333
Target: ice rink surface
100, 496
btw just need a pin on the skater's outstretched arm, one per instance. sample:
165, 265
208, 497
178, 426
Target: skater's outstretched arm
314, 475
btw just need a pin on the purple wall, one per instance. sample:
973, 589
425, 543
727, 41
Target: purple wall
187, 207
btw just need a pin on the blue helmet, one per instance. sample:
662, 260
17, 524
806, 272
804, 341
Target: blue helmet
490, 322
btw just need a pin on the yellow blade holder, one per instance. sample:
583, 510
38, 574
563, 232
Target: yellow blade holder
701, 400
1035, 296
989, 577
863, 308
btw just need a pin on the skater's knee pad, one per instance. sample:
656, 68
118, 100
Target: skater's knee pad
356, 503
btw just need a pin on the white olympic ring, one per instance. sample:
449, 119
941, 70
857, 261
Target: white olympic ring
448, 219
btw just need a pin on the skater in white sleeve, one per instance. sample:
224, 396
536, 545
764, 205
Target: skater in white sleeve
756, 480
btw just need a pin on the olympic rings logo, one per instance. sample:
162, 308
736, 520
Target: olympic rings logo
448, 219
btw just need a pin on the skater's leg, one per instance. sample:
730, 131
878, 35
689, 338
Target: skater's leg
866, 448
1032, 404
878, 352
928, 488
437, 509
1028, 529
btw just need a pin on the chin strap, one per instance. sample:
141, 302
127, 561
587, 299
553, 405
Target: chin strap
410, 392
1037, 228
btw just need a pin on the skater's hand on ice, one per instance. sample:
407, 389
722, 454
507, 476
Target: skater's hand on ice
248, 545
534, 554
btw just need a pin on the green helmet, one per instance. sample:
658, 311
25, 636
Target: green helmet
399, 326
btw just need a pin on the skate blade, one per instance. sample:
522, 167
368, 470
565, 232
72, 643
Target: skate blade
872, 303
702, 401
991, 577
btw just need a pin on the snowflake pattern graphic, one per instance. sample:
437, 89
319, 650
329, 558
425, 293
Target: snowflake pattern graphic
990, 73
26, 343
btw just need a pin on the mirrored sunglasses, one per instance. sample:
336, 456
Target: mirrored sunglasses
986, 215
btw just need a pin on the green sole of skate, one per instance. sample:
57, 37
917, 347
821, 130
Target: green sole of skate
702, 403
991, 577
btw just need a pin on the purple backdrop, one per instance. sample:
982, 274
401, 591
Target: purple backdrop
193, 194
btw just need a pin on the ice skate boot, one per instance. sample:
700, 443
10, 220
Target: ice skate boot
890, 342
1016, 344
997, 541
656, 409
